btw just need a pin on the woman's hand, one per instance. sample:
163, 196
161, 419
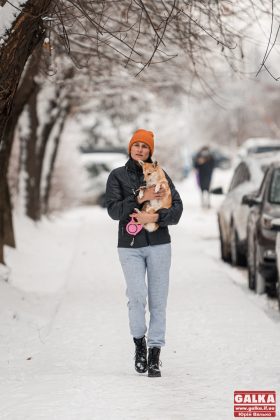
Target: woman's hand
150, 194
144, 217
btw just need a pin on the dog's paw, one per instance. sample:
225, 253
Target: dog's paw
157, 188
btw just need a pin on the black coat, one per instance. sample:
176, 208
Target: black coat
205, 171
121, 200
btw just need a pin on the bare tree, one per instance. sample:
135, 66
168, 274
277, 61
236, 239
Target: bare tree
27, 33
43, 120
141, 32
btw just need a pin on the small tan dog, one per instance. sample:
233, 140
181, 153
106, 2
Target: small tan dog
154, 176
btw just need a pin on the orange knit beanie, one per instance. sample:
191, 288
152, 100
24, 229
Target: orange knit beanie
143, 136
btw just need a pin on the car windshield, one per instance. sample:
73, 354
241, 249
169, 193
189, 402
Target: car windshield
263, 149
274, 196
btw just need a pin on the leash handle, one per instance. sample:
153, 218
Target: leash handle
133, 228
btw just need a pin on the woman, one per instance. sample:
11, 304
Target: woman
148, 252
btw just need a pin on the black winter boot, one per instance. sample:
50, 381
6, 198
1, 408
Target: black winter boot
153, 362
140, 355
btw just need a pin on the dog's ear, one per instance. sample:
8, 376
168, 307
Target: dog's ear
155, 164
141, 162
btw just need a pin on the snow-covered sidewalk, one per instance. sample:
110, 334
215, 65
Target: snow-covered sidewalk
65, 349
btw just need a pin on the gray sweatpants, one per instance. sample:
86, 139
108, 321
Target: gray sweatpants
135, 262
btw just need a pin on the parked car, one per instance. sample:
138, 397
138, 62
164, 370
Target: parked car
258, 145
233, 214
276, 227
264, 207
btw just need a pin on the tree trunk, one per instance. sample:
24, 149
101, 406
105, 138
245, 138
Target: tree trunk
27, 86
9, 236
2, 214
27, 32
31, 163
56, 140
35, 146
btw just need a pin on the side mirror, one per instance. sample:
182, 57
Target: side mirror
251, 200
217, 191
275, 225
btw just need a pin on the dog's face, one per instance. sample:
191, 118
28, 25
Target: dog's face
151, 171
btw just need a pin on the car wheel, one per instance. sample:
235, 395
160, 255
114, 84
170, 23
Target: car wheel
260, 280
225, 255
251, 261
236, 257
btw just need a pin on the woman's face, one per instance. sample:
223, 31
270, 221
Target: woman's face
139, 151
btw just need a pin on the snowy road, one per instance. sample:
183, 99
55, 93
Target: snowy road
65, 350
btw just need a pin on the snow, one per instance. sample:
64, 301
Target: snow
104, 157
8, 14
65, 349
4, 272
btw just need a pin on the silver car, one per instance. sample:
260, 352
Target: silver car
233, 215
276, 226
258, 145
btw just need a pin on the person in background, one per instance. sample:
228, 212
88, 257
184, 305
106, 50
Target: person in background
204, 163
149, 253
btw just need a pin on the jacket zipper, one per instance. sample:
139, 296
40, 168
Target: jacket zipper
134, 192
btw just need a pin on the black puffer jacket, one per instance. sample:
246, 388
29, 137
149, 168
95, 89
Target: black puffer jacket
121, 193
205, 169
